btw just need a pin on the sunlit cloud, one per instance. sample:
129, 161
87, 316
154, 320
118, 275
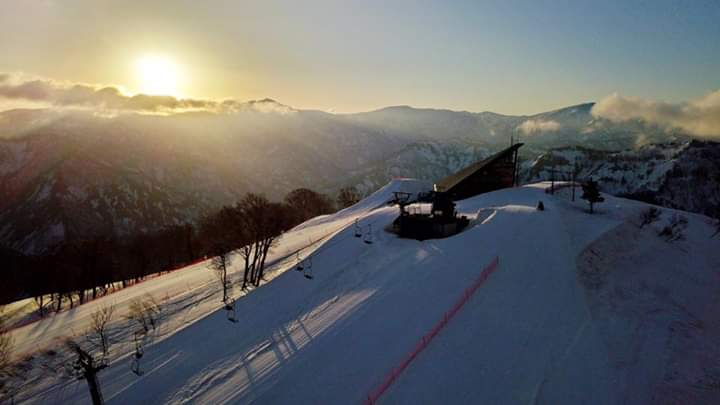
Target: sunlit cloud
52, 93
531, 127
699, 117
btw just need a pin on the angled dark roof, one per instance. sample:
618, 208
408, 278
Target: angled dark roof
452, 180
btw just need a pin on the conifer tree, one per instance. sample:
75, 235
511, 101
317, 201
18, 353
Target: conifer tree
591, 194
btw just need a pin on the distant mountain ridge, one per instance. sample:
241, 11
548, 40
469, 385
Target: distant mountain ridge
75, 174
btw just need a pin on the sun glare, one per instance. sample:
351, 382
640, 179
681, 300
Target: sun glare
157, 76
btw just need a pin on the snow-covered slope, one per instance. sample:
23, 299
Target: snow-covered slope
530, 334
678, 175
656, 306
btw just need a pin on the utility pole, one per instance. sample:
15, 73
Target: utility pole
552, 179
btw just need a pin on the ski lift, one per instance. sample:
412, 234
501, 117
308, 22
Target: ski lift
139, 351
299, 266
368, 236
230, 310
358, 230
135, 367
308, 273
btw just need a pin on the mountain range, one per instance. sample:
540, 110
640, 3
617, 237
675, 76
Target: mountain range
69, 174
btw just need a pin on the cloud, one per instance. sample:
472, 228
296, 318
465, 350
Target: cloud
104, 98
530, 127
699, 117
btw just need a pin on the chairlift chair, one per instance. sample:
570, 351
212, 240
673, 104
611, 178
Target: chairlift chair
139, 351
368, 236
299, 266
230, 310
358, 230
138, 344
308, 273
135, 367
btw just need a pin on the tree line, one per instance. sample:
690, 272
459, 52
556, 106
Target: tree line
79, 270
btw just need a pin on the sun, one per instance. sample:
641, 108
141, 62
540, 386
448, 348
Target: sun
157, 75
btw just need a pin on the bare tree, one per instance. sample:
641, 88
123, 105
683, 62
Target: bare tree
40, 304
146, 313
277, 219
252, 212
649, 216
246, 251
716, 221
675, 228
7, 389
12, 381
98, 333
347, 197
92, 354
262, 222
251, 226
220, 232
306, 203
220, 264
5, 348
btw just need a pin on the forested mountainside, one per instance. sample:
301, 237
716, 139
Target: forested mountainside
73, 174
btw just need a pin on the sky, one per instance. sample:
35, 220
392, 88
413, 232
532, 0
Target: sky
510, 57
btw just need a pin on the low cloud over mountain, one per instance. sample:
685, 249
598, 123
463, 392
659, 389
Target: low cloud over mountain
699, 117
48, 92
530, 127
